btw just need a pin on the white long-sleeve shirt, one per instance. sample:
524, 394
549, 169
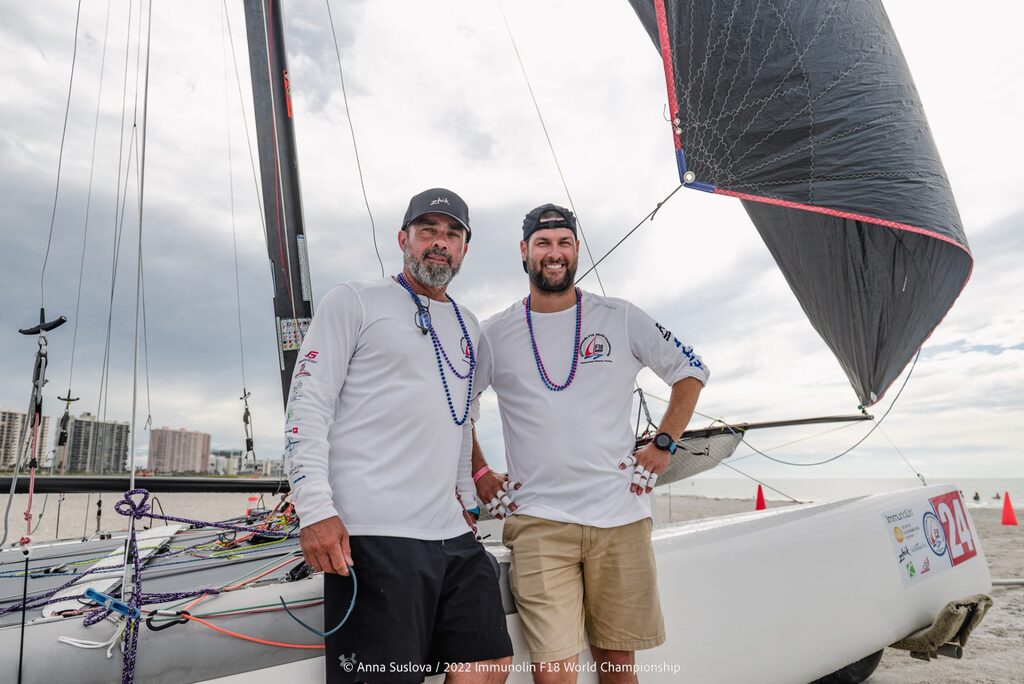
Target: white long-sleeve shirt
565, 447
370, 436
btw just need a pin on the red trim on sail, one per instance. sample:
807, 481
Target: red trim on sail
666, 58
842, 214
287, 92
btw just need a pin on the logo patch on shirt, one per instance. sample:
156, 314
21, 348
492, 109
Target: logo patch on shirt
687, 351
464, 343
595, 348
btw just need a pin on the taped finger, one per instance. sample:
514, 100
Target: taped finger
628, 461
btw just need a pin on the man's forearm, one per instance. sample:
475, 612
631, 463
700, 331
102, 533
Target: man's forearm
680, 408
478, 461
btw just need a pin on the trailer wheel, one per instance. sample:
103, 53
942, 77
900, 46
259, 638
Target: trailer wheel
854, 673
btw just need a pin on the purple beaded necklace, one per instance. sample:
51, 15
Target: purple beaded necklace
575, 346
439, 352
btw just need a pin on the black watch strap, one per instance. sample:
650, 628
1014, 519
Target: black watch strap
665, 442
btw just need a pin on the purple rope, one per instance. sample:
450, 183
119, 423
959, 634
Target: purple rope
46, 595
97, 615
178, 595
128, 507
131, 635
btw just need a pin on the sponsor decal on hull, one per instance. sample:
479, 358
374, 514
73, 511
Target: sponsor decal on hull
930, 537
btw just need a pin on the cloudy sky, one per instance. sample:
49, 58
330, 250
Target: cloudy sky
437, 98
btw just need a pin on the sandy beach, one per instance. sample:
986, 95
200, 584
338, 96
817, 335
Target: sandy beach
995, 652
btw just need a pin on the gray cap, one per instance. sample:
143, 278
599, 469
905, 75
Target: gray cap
438, 201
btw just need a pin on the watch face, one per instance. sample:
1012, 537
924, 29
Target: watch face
663, 441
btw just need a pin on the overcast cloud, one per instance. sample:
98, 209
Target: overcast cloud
437, 98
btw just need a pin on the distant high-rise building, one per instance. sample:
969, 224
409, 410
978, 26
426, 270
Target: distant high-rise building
179, 451
95, 446
226, 461
269, 468
11, 424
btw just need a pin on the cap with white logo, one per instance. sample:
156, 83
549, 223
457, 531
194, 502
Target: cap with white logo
439, 201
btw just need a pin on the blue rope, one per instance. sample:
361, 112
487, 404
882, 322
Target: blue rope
351, 607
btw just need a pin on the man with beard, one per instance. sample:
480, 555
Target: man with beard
576, 501
378, 446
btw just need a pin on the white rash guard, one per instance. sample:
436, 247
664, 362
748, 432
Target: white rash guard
370, 437
565, 447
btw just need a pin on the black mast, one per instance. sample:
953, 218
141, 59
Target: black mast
279, 170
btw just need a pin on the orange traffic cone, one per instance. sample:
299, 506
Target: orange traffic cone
1009, 516
759, 506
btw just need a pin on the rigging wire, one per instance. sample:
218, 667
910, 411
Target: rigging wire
795, 441
145, 351
643, 410
905, 460
551, 146
352, 131
88, 198
649, 217
246, 414
245, 124
119, 203
60, 160
129, 583
875, 425
763, 484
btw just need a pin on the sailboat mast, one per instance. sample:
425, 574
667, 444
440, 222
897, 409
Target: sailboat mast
279, 173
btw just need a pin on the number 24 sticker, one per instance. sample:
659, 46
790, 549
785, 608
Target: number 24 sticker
960, 541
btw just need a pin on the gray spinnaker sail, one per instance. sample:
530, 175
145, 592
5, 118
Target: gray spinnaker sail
807, 112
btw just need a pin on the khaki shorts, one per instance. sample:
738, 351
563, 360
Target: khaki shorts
566, 577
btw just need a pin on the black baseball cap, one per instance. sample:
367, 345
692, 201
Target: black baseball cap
438, 201
533, 222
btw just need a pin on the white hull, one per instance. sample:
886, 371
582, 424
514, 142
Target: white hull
785, 595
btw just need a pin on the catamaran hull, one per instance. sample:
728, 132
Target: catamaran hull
785, 595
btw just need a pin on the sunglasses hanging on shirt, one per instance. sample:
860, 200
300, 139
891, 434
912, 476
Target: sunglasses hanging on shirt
422, 315
423, 322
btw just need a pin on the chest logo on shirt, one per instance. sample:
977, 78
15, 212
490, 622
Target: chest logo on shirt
595, 348
464, 345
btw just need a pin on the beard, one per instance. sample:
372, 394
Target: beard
552, 283
427, 272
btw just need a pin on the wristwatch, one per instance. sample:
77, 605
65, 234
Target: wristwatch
665, 442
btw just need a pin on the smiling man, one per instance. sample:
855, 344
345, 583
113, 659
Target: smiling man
378, 439
576, 503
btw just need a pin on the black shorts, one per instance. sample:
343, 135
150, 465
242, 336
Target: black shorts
420, 605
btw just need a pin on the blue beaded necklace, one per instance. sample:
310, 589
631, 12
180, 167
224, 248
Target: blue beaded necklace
423, 317
575, 346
